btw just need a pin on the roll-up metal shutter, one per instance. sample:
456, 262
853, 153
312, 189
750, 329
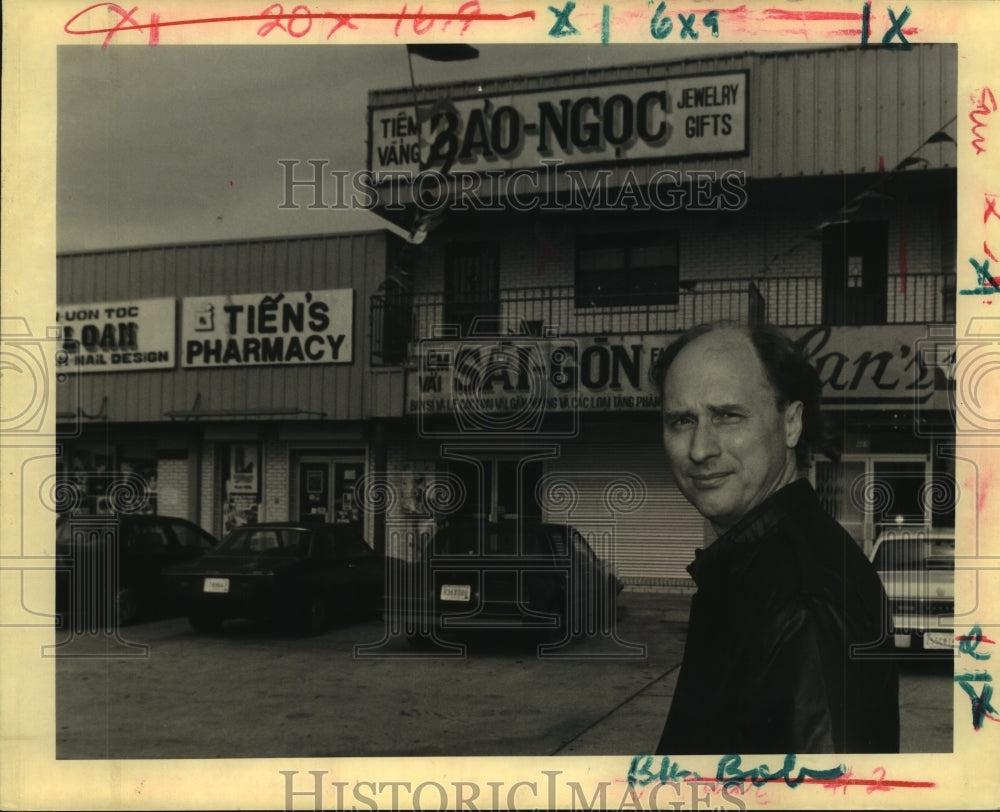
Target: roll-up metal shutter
613, 485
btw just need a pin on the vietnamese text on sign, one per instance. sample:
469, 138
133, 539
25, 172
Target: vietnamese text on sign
670, 118
125, 336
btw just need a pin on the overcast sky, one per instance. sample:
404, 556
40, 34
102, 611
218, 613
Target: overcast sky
181, 143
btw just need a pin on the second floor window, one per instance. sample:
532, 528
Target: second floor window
639, 268
472, 286
855, 272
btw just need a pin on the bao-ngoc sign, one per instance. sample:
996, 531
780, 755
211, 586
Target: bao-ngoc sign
860, 367
284, 327
124, 336
673, 117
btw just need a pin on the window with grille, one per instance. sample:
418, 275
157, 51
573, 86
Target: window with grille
614, 270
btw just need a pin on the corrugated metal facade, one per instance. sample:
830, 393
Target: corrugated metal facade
814, 118
829, 112
330, 391
818, 112
621, 496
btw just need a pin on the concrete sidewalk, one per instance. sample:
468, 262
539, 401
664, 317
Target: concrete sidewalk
671, 607
926, 688
635, 725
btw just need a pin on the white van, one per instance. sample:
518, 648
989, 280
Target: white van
917, 568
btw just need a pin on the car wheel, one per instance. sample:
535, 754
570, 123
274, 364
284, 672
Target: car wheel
315, 614
205, 623
126, 607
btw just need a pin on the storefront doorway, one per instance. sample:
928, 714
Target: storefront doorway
866, 493
324, 488
855, 273
499, 488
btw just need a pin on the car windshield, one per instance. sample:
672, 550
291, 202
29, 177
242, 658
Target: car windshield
464, 539
265, 540
895, 554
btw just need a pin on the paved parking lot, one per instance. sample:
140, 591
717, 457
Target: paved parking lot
241, 693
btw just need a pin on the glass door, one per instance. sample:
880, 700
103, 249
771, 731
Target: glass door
515, 482
346, 501
325, 490
314, 491
868, 493
499, 488
902, 484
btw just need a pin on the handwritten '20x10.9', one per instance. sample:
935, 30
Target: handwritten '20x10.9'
296, 23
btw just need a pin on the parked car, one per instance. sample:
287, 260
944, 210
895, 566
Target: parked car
917, 568
108, 572
281, 572
529, 576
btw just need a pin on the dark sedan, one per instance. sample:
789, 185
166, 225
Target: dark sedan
108, 567
524, 576
282, 573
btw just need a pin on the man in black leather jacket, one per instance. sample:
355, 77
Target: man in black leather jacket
786, 641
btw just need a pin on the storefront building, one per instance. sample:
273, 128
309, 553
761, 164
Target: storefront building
565, 226
575, 222
224, 383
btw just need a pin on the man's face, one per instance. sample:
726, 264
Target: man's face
728, 445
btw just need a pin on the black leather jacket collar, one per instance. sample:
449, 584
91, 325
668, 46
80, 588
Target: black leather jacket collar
723, 557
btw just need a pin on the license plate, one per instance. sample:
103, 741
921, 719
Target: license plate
216, 585
456, 592
938, 640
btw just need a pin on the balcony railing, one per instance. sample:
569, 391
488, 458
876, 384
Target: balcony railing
398, 319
